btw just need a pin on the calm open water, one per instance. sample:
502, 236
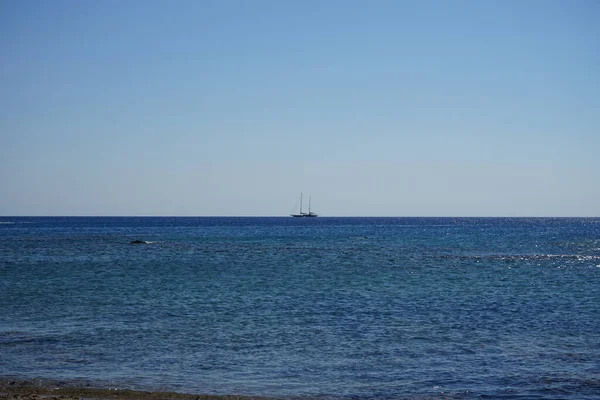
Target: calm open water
334, 307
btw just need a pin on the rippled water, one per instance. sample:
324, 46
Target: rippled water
340, 307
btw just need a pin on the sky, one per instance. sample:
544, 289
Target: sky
233, 108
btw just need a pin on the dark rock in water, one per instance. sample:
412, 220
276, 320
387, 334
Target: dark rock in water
139, 242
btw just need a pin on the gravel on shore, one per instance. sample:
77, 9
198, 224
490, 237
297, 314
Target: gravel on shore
32, 390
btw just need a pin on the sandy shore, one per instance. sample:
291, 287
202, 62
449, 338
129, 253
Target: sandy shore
31, 390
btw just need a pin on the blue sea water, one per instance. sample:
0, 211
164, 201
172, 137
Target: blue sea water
372, 308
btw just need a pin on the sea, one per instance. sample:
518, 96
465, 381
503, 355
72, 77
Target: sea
328, 308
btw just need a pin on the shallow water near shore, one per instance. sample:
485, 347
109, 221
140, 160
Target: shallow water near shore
284, 307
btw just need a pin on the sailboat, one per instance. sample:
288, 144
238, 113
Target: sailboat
303, 214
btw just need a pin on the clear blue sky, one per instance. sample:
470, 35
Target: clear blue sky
375, 108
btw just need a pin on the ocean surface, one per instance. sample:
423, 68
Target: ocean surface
372, 308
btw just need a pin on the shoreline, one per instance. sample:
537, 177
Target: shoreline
44, 389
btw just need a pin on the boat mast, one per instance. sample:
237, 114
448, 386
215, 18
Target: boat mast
301, 203
309, 197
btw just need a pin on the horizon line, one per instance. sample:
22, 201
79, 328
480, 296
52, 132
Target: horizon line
287, 216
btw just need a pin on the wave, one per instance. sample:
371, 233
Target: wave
142, 242
11, 338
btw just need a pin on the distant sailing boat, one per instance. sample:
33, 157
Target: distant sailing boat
303, 214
